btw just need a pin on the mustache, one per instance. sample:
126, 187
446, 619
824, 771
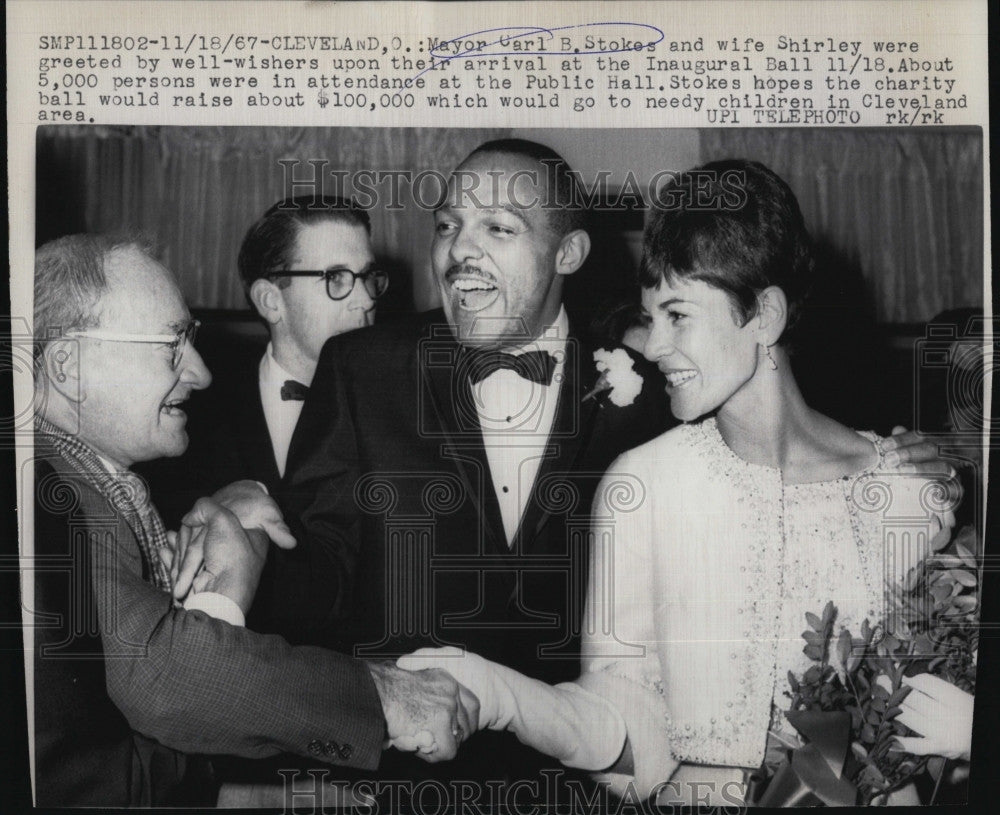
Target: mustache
467, 269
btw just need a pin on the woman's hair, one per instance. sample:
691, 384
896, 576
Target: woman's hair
737, 226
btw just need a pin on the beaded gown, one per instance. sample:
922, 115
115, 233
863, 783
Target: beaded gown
703, 568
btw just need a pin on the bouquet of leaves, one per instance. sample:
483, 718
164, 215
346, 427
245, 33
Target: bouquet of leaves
932, 627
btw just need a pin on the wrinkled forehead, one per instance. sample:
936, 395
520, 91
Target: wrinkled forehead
498, 180
142, 294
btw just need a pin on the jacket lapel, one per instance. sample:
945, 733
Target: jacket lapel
461, 441
572, 428
258, 452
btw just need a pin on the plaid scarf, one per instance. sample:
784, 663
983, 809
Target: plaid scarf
125, 491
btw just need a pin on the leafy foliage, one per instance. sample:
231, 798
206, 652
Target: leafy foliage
932, 627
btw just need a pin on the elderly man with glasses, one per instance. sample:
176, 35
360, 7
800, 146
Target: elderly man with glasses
141, 661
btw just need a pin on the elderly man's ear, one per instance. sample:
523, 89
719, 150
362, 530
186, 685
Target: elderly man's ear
62, 368
266, 298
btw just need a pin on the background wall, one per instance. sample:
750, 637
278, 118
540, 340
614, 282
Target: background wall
901, 209
194, 191
897, 215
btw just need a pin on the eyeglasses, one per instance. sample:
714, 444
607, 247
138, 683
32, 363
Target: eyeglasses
177, 343
340, 282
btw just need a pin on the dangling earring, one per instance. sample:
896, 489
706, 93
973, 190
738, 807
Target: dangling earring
770, 359
61, 358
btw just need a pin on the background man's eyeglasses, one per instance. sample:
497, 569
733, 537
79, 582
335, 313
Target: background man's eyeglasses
340, 282
176, 342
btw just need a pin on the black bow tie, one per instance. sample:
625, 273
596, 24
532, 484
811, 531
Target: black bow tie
535, 366
293, 391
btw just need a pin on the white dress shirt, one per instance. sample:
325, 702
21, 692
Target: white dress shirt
281, 415
516, 418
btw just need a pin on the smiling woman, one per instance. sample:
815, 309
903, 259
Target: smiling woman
748, 510
723, 291
726, 270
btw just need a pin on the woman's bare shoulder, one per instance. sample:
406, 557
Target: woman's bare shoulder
835, 451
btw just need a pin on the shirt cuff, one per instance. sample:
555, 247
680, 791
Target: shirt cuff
216, 605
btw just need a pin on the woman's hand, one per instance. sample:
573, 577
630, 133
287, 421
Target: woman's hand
577, 727
941, 713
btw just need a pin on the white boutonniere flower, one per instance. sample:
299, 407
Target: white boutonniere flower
618, 376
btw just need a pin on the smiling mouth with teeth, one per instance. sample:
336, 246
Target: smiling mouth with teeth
676, 379
475, 293
173, 408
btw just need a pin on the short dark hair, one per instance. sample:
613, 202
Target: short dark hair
564, 201
737, 226
269, 244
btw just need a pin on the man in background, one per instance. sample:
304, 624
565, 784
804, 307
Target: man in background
309, 273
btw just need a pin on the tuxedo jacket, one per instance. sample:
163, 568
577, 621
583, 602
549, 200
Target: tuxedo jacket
236, 436
229, 441
127, 686
388, 477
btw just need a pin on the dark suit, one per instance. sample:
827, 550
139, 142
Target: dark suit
126, 685
388, 465
228, 438
236, 436
230, 441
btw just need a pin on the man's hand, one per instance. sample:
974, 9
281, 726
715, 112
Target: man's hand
472, 672
425, 711
910, 452
255, 509
212, 552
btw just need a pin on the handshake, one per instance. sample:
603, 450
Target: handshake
435, 698
427, 711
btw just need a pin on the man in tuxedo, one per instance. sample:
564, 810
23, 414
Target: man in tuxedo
309, 273
308, 269
141, 660
453, 458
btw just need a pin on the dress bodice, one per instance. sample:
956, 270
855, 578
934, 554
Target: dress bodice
711, 575
825, 552
826, 558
